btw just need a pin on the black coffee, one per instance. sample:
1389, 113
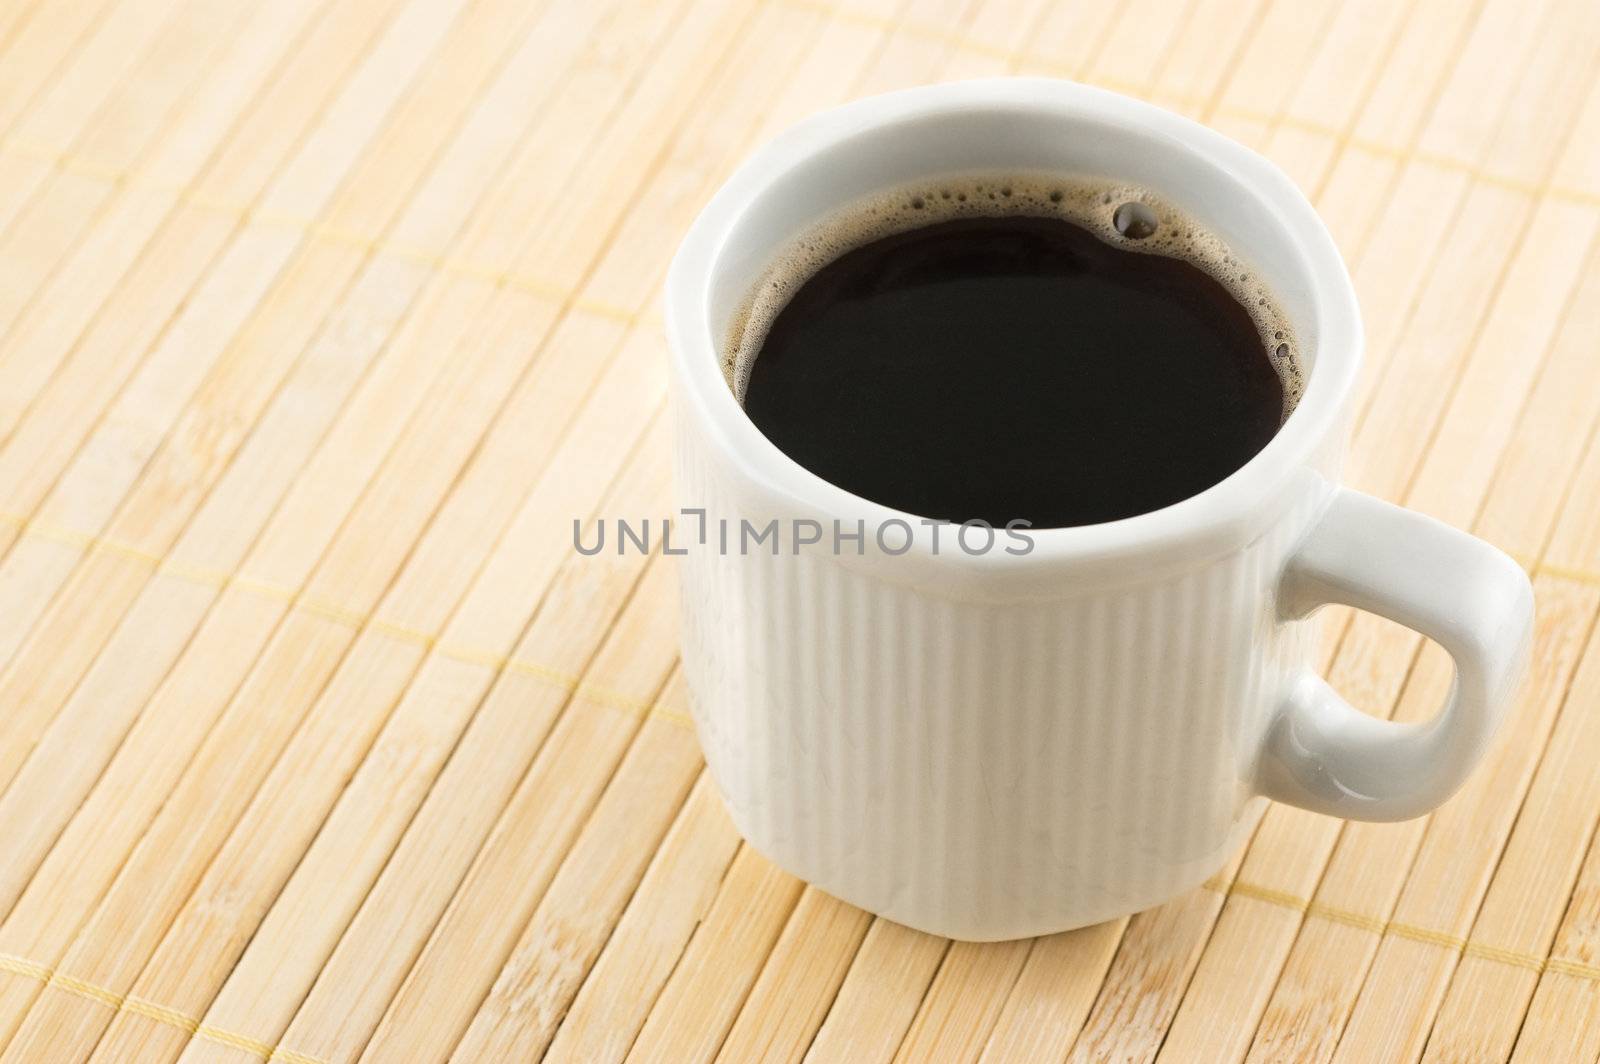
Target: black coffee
1016, 366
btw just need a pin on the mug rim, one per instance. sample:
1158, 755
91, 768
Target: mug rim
1222, 516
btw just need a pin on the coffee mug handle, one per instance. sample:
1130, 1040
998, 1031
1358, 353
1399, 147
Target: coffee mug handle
1323, 754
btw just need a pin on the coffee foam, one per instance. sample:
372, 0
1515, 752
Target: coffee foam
1085, 201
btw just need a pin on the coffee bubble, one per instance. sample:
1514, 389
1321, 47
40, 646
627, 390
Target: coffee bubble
1135, 221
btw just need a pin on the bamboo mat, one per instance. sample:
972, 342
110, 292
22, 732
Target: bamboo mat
320, 323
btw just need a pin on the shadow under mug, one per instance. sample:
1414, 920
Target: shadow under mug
996, 745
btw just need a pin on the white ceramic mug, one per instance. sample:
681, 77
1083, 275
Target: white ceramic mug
998, 745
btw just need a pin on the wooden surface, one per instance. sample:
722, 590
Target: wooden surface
320, 323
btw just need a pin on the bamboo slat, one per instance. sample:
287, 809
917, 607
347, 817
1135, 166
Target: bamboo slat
319, 326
